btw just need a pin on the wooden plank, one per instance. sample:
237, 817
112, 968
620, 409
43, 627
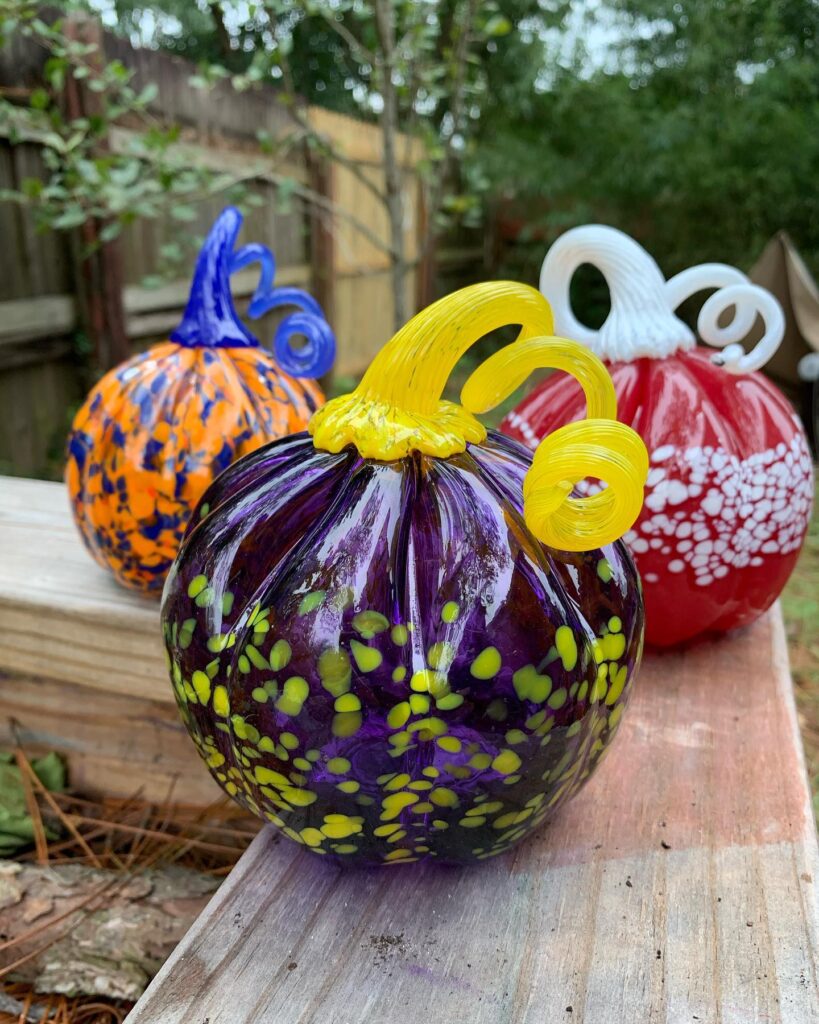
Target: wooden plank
680, 885
62, 617
174, 294
150, 310
35, 262
215, 112
361, 141
43, 316
363, 317
40, 353
322, 241
81, 666
35, 394
354, 251
114, 744
245, 162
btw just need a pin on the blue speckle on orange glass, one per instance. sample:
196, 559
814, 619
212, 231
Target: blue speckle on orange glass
379, 656
157, 430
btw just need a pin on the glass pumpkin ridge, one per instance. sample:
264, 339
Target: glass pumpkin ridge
369, 641
158, 429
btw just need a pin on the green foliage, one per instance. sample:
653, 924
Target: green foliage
16, 825
800, 607
698, 136
449, 55
149, 176
696, 133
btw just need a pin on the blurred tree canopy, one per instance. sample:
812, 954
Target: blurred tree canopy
424, 68
698, 134
323, 50
692, 125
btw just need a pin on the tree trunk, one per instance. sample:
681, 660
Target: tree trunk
392, 170
229, 55
460, 27
99, 277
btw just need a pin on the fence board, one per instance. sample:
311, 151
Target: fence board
41, 317
364, 316
97, 735
215, 112
360, 141
219, 129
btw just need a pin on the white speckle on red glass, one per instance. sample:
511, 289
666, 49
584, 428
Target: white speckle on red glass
750, 507
520, 423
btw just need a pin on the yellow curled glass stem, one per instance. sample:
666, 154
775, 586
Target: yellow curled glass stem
601, 449
397, 408
498, 376
597, 447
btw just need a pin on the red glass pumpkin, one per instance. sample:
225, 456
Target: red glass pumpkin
730, 485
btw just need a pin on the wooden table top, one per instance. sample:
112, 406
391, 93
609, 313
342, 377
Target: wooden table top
61, 615
680, 885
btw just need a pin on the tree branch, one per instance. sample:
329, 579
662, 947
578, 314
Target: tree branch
385, 27
460, 50
222, 35
353, 42
302, 120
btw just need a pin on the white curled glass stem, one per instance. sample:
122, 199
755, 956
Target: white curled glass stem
704, 277
642, 321
746, 301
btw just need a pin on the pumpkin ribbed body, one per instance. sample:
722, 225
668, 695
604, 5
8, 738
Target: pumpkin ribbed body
156, 431
729, 491
381, 659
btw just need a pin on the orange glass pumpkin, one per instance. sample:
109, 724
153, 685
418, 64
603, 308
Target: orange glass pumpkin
159, 428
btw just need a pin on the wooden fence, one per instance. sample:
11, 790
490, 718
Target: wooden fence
56, 311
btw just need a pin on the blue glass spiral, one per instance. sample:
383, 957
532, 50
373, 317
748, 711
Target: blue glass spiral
210, 317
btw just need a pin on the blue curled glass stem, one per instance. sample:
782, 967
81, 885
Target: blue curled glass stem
210, 318
316, 356
255, 252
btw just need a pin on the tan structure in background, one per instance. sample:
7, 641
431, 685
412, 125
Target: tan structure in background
782, 271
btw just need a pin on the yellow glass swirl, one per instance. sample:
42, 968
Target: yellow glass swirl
397, 409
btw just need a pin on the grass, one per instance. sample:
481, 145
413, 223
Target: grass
800, 605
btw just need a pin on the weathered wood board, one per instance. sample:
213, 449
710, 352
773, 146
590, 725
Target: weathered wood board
63, 617
114, 745
81, 664
681, 885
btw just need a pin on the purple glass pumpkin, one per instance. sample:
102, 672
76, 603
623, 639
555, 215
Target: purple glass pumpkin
369, 644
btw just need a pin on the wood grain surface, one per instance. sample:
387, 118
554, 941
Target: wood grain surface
681, 885
82, 670
113, 744
62, 617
